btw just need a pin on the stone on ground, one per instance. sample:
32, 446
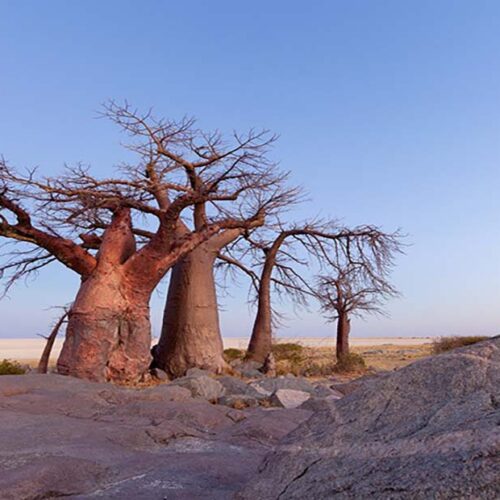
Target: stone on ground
289, 398
234, 385
201, 386
270, 385
238, 401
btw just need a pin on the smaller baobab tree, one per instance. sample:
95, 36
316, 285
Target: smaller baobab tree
285, 255
355, 289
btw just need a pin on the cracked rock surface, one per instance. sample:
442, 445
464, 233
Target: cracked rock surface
61, 436
429, 430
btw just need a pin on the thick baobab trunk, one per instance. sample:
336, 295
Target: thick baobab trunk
108, 336
343, 329
191, 332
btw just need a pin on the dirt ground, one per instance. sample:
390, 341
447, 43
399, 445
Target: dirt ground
389, 357
380, 358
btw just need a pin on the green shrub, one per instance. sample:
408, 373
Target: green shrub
231, 354
443, 344
8, 367
350, 363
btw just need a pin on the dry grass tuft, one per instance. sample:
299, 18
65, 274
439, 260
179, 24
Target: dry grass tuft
232, 354
288, 351
350, 363
444, 344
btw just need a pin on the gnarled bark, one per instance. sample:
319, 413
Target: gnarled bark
108, 334
191, 331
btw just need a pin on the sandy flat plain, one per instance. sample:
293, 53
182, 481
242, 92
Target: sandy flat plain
30, 349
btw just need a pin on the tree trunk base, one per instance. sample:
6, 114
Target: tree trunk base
177, 362
190, 335
106, 347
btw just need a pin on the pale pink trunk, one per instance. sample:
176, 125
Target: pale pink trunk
108, 335
191, 331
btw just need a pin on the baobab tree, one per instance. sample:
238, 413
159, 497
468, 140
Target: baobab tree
354, 289
190, 334
101, 228
295, 246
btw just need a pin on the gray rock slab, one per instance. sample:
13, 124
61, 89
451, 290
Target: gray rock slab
271, 385
238, 401
429, 430
201, 386
62, 436
289, 398
235, 385
198, 372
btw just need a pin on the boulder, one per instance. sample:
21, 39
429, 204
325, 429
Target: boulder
201, 387
198, 372
165, 392
250, 369
319, 404
238, 401
268, 386
289, 398
323, 391
429, 430
234, 385
159, 374
250, 373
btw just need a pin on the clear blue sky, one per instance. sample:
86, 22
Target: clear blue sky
389, 113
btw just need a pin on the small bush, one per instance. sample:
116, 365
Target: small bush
316, 369
289, 351
350, 363
289, 358
285, 367
443, 344
231, 354
8, 367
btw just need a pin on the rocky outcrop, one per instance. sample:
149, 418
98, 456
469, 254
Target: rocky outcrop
430, 430
63, 436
